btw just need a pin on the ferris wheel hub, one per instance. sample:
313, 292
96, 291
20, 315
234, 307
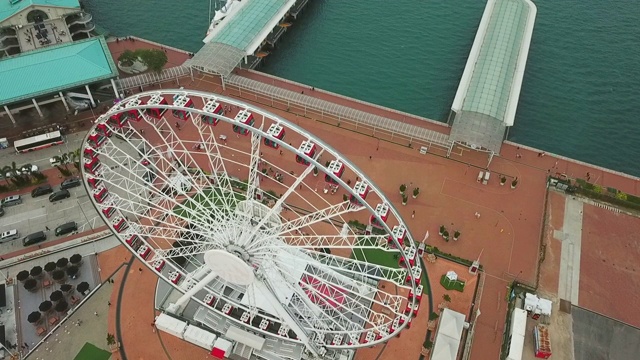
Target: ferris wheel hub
229, 267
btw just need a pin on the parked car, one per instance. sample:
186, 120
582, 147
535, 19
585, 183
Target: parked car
11, 200
41, 190
55, 161
9, 235
70, 183
34, 238
59, 195
66, 228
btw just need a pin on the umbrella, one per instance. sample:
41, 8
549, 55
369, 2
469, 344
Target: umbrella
50, 266
66, 288
23, 275
34, 317
75, 259
62, 306
36, 271
82, 287
58, 275
56, 296
45, 306
72, 271
30, 284
62, 262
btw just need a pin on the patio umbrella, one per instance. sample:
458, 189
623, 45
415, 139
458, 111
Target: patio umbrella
72, 271
62, 262
75, 259
31, 284
34, 317
62, 306
56, 296
50, 267
45, 306
58, 275
66, 288
23, 275
36, 271
83, 287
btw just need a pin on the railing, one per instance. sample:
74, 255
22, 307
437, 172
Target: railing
88, 27
79, 19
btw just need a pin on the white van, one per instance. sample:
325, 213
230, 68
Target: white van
9, 235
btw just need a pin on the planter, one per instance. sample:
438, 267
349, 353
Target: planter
76, 259
136, 68
62, 263
37, 272
59, 276
23, 276
50, 267
31, 285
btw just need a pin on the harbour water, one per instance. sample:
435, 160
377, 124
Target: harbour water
581, 91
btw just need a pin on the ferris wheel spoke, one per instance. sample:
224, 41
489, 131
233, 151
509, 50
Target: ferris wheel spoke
336, 241
254, 166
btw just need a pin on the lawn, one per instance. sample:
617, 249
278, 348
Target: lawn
451, 285
208, 198
375, 256
92, 352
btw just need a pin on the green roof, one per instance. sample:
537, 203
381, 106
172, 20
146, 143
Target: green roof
55, 68
8, 8
492, 80
243, 28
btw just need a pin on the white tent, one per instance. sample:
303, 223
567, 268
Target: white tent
448, 336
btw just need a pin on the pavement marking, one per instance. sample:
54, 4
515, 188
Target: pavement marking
571, 238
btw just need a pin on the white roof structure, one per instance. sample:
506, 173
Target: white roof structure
534, 304
245, 337
448, 336
170, 325
518, 329
451, 275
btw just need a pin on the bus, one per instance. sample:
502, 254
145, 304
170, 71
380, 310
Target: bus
38, 142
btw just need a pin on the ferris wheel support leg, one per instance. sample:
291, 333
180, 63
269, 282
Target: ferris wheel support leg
178, 307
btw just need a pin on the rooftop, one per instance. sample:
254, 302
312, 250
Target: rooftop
56, 68
487, 97
8, 8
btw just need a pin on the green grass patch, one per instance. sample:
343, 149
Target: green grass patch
208, 199
451, 285
92, 352
375, 256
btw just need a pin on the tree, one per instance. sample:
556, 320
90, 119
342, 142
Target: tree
127, 58
446, 297
154, 59
433, 316
403, 187
111, 339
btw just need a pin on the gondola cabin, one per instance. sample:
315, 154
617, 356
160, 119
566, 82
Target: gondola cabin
336, 167
243, 117
89, 153
159, 265
276, 131
182, 101
134, 114
100, 194
417, 295
96, 138
382, 210
409, 260
120, 119
209, 299
399, 232
362, 189
144, 251
133, 240
119, 224
156, 113
104, 129
417, 274
307, 148
93, 182
92, 165
108, 211
214, 107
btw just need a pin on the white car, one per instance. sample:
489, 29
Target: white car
55, 161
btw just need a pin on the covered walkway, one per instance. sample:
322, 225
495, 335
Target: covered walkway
487, 97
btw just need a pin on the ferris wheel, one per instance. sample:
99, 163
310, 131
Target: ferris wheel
253, 218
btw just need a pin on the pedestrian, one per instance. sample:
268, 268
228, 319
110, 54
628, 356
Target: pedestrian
413, 214
109, 303
370, 157
113, 281
280, 152
26, 345
46, 228
178, 125
140, 270
95, 313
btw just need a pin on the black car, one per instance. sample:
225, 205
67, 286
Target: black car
70, 183
34, 238
41, 190
59, 195
66, 228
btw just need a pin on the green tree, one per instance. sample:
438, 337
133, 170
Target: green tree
154, 59
127, 58
446, 297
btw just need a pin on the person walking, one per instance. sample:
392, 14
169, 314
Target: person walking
46, 228
95, 313
413, 214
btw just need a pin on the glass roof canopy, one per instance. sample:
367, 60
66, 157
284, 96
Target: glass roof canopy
240, 36
487, 98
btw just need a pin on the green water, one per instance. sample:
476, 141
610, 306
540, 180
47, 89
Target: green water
580, 92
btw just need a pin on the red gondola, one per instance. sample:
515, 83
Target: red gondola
119, 224
104, 129
277, 131
100, 194
410, 259
93, 182
398, 232
159, 265
156, 113
133, 240
175, 277
89, 153
383, 211
309, 149
418, 294
134, 114
182, 101
96, 138
245, 118
92, 165
108, 211
212, 106
417, 274
209, 299
362, 189
144, 251
337, 168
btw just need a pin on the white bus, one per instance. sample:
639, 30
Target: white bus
38, 142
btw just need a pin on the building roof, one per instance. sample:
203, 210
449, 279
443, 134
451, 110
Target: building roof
239, 35
55, 68
488, 94
8, 8
448, 336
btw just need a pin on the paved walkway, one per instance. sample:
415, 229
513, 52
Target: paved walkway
571, 237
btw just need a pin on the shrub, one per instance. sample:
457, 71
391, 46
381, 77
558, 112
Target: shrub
598, 189
433, 316
403, 187
621, 196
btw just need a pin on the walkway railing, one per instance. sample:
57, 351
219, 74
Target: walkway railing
153, 77
324, 108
